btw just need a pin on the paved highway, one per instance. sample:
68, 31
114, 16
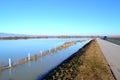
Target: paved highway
112, 54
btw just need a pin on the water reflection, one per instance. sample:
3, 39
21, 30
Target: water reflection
36, 56
10, 72
29, 64
40, 59
41, 63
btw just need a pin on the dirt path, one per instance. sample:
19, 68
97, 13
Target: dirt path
86, 64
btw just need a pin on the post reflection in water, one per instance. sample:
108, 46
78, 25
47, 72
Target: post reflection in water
29, 64
40, 59
10, 73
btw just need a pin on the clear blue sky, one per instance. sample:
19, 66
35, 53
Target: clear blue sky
60, 17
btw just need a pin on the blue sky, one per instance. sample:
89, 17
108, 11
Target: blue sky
60, 17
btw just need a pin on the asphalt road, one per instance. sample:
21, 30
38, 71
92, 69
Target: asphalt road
112, 54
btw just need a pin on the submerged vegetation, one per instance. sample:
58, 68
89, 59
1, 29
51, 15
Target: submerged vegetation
36, 56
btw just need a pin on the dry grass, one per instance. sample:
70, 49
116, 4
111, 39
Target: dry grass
94, 65
86, 64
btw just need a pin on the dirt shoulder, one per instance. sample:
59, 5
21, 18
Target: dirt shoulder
86, 64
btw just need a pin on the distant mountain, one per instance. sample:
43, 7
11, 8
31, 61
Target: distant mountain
11, 35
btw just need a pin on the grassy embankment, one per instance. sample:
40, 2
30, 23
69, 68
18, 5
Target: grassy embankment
86, 64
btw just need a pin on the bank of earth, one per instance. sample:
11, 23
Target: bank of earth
87, 63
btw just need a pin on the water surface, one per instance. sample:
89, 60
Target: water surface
33, 70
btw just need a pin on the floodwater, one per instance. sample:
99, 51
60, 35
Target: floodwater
34, 70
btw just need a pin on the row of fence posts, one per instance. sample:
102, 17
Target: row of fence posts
10, 62
28, 57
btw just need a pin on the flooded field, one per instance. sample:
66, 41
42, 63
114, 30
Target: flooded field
33, 58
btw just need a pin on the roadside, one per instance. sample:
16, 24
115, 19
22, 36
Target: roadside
86, 64
112, 55
114, 40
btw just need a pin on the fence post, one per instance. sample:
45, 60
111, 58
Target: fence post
10, 62
28, 56
40, 53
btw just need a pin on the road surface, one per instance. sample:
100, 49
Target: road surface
112, 54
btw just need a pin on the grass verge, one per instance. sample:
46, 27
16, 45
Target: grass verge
86, 64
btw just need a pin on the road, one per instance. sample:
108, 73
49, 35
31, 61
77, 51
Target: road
112, 54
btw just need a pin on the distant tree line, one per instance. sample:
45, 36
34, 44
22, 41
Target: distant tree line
28, 37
